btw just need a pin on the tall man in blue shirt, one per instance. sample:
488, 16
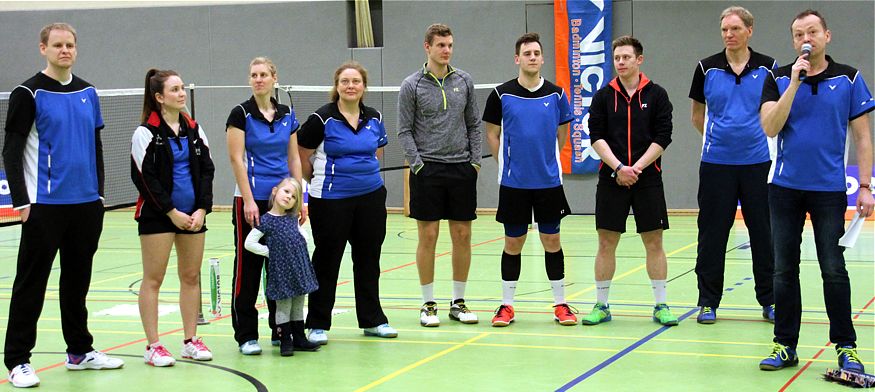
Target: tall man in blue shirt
735, 161
526, 125
810, 114
54, 165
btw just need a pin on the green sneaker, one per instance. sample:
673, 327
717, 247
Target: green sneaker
601, 313
662, 314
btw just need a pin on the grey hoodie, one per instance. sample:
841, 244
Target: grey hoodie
439, 122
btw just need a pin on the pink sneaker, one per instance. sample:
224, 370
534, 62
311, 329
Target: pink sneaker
158, 356
196, 350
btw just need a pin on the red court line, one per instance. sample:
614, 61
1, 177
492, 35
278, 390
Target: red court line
804, 368
3, 381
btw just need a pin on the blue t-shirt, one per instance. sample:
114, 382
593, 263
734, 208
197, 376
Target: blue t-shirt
183, 187
733, 134
529, 152
345, 162
60, 159
812, 144
266, 143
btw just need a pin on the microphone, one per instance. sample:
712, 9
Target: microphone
806, 51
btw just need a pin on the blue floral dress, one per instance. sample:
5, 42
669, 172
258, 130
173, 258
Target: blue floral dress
290, 272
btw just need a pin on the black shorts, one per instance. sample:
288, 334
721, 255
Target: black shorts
515, 205
444, 191
612, 204
163, 224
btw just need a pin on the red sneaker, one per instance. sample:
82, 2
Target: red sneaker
564, 314
503, 316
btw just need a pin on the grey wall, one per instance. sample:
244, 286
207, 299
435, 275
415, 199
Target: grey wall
211, 45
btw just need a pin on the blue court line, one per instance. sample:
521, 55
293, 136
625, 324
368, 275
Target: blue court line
622, 353
633, 346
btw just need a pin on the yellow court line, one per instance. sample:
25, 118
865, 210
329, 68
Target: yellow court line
420, 362
630, 272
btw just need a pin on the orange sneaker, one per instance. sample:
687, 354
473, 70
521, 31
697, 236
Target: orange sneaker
564, 314
503, 316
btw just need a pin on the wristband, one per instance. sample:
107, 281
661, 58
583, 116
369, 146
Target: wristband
620, 166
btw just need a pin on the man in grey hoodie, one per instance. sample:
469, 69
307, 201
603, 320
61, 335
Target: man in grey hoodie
439, 128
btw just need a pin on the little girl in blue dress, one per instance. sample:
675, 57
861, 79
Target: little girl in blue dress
290, 274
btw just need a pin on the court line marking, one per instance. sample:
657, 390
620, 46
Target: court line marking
423, 361
807, 364
630, 272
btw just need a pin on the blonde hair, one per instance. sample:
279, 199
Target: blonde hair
299, 198
263, 60
741, 12
44, 33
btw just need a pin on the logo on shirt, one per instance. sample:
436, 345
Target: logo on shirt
84, 99
285, 123
455, 89
755, 76
368, 127
832, 87
643, 106
546, 104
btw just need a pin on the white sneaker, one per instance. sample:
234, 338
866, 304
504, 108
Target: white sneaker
250, 348
158, 356
319, 336
95, 360
23, 376
197, 350
382, 331
428, 315
460, 312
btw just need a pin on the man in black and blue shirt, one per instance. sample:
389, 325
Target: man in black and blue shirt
809, 105
54, 165
735, 161
526, 125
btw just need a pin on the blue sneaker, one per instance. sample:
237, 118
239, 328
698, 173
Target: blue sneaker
849, 360
382, 331
769, 313
707, 315
250, 348
782, 356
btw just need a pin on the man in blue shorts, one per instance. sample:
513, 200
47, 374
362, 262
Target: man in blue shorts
630, 127
809, 105
439, 129
529, 117
735, 162
54, 164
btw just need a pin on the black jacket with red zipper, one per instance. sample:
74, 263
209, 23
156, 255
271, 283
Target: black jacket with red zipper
152, 165
631, 124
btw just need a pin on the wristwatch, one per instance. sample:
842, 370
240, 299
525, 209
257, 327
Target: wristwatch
614, 174
867, 186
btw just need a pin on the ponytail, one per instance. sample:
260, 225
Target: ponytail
155, 80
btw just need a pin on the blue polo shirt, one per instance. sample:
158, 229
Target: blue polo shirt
183, 187
345, 162
733, 134
528, 153
812, 144
266, 143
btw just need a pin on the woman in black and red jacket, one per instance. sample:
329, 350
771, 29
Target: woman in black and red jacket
172, 169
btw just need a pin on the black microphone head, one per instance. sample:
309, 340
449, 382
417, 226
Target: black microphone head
806, 48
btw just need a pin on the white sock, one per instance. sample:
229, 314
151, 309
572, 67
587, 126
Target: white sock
558, 287
428, 292
458, 289
508, 288
658, 290
602, 289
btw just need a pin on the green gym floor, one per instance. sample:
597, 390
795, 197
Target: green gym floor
532, 354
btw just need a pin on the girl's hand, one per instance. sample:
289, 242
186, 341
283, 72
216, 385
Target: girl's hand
305, 212
180, 219
197, 220
250, 213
